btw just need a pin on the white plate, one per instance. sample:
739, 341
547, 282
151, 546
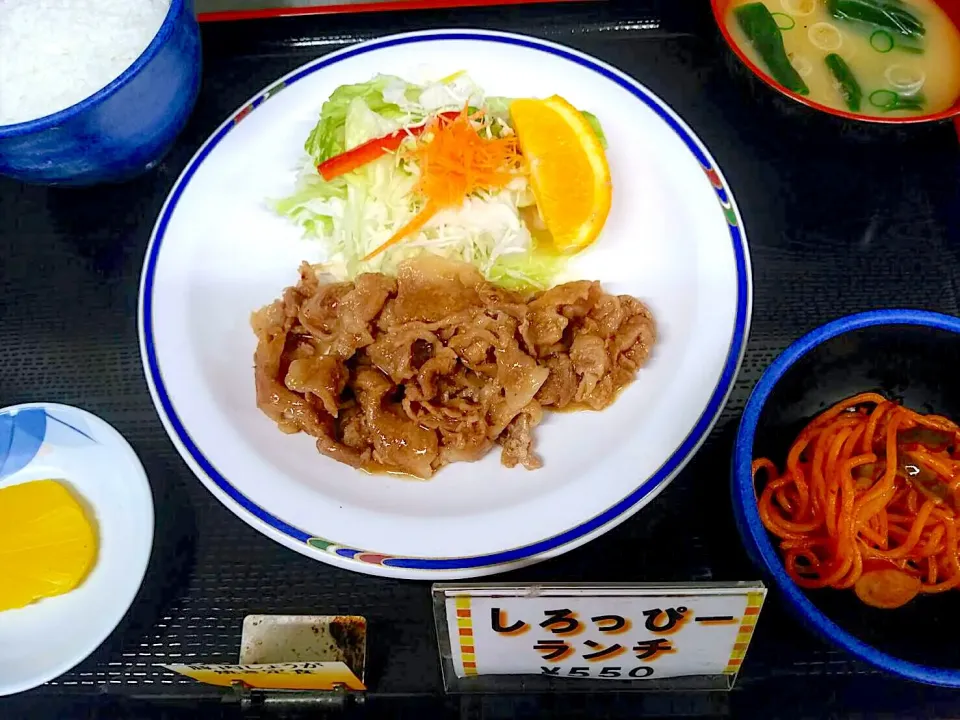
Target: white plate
674, 238
47, 441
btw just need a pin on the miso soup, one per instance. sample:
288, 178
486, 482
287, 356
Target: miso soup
889, 58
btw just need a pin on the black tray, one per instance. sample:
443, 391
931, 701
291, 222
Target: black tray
840, 217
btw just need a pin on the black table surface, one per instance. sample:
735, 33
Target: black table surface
840, 218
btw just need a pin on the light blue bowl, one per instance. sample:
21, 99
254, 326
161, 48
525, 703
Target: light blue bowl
909, 354
123, 129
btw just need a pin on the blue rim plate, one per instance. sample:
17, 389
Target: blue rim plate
40, 441
674, 238
755, 535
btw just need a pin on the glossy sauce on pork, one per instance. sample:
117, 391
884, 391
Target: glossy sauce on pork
437, 365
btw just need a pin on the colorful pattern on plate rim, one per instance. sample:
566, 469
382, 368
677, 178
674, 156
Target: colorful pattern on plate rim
260, 99
722, 195
359, 555
24, 432
669, 467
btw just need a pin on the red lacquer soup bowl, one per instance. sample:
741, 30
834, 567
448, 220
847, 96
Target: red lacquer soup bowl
952, 9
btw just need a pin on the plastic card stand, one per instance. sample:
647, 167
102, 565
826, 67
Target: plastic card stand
501, 637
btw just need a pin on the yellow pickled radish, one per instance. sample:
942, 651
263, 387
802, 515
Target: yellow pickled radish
48, 543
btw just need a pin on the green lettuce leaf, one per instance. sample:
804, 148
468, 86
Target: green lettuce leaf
499, 107
523, 271
597, 127
313, 204
328, 138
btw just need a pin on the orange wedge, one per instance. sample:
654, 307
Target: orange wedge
48, 544
568, 170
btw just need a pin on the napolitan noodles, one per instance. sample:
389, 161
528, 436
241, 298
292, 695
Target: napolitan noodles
472, 203
888, 58
870, 499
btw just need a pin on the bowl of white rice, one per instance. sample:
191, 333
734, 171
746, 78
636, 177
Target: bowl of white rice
94, 91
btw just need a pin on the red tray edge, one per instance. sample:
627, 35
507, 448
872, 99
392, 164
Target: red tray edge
390, 5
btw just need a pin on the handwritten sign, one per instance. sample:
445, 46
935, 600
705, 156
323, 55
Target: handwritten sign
616, 632
274, 676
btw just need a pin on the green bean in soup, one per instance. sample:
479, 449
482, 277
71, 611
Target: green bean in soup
886, 58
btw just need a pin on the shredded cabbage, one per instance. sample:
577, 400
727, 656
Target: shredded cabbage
357, 212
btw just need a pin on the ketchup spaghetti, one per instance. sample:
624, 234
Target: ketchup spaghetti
869, 499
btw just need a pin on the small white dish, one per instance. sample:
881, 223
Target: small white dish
48, 441
674, 239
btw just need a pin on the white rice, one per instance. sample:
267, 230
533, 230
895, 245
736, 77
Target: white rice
55, 53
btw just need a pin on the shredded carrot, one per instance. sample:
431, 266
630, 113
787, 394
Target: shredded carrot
848, 500
456, 161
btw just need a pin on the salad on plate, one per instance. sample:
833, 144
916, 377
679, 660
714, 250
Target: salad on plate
393, 169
